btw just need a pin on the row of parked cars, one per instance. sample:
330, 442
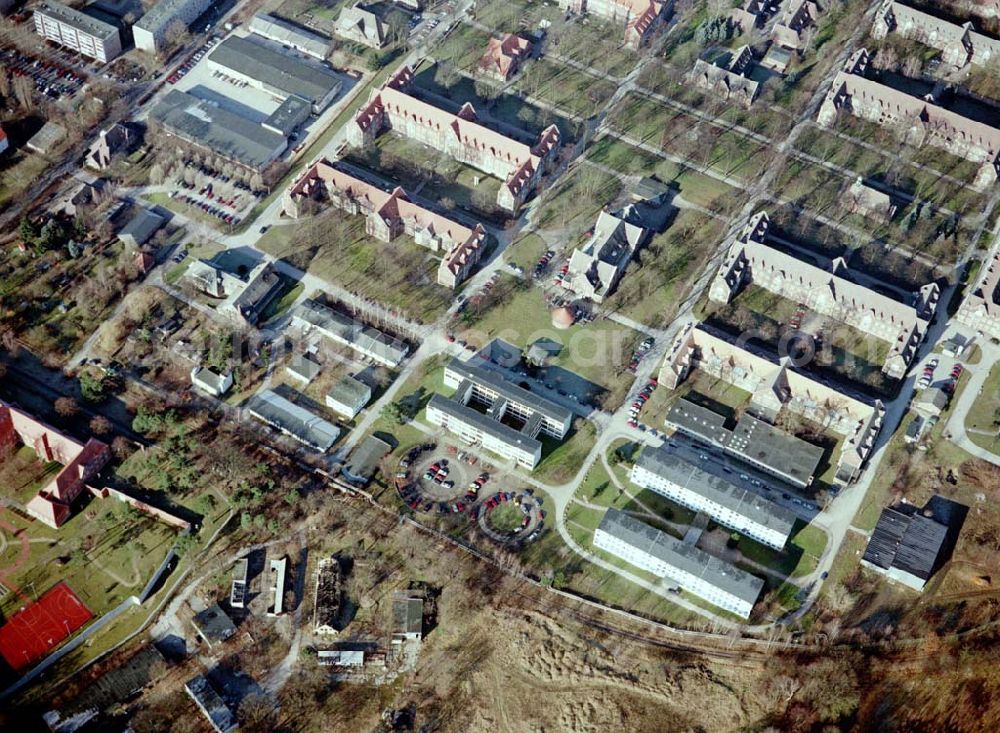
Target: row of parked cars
210, 172
51, 79
640, 352
207, 207
543, 262
640, 399
192, 60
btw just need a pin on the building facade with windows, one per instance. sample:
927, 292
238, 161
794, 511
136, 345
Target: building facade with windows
519, 166
150, 31
691, 569
78, 31
701, 490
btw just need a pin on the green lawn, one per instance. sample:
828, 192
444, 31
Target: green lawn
569, 90
981, 422
561, 460
103, 552
572, 206
693, 186
662, 273
335, 247
700, 142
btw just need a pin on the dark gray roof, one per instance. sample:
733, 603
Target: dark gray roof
142, 226
263, 288
781, 451
751, 439
290, 114
282, 72
202, 692
682, 556
717, 488
906, 540
698, 420
226, 133
297, 421
487, 424
214, 624
363, 462
509, 390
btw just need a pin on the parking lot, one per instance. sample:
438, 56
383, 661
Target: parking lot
512, 518
52, 79
217, 194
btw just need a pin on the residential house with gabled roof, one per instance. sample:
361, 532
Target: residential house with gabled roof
640, 17
959, 45
981, 308
358, 23
867, 200
460, 135
504, 56
852, 92
389, 215
730, 81
830, 292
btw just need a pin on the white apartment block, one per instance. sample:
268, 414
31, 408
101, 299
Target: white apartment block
691, 569
150, 32
475, 428
78, 31
509, 419
507, 399
728, 504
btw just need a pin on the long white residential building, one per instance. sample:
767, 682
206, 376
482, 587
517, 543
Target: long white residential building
150, 31
78, 31
509, 420
693, 570
728, 504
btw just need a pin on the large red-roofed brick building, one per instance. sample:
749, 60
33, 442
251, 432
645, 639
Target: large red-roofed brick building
389, 214
81, 462
459, 135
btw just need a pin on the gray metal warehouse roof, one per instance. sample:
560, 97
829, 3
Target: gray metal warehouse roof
509, 390
716, 488
279, 29
907, 541
343, 326
224, 132
497, 429
684, 557
306, 427
277, 70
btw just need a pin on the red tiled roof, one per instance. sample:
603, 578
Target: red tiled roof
514, 155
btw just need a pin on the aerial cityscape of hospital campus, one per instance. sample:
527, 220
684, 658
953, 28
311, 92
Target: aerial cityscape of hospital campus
499, 366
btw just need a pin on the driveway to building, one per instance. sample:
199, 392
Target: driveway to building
955, 429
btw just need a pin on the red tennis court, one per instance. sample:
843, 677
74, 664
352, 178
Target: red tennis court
40, 627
